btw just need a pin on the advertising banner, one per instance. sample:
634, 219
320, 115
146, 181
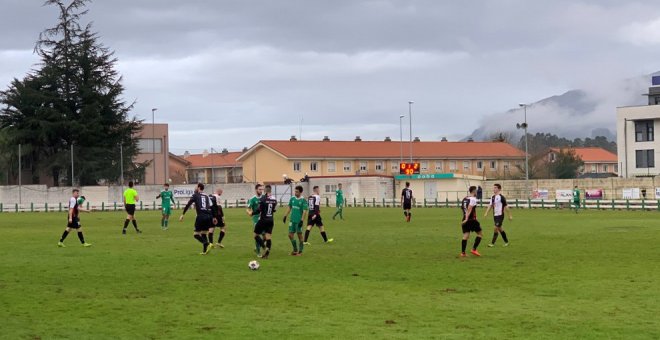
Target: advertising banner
541, 194
564, 194
594, 194
631, 194
183, 191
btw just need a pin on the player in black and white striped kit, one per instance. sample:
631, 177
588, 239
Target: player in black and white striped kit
498, 204
204, 219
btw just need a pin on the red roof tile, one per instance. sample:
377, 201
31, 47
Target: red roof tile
216, 160
391, 150
593, 155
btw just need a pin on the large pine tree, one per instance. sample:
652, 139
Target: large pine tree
72, 97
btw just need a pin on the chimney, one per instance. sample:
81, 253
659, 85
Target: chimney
245, 149
293, 139
388, 139
186, 154
225, 151
470, 140
417, 139
358, 139
444, 139
326, 139
205, 153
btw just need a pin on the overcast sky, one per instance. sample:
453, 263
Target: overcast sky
228, 73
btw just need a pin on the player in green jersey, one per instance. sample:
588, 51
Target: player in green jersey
166, 197
298, 209
339, 194
253, 207
576, 198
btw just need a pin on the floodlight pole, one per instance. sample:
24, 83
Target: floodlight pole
410, 120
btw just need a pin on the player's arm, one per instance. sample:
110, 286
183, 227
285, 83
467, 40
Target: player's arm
506, 207
288, 211
467, 214
173, 202
157, 197
490, 205
249, 211
185, 209
137, 198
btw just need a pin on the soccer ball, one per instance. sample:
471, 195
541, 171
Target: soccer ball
253, 265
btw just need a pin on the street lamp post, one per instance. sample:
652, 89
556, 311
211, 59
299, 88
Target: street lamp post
410, 120
401, 137
524, 127
153, 141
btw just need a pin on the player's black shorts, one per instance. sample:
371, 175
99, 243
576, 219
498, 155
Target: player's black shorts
499, 221
407, 205
264, 226
203, 222
130, 209
315, 222
75, 223
471, 226
220, 224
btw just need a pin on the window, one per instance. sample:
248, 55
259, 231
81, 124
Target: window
645, 159
506, 166
331, 188
314, 166
332, 167
480, 165
296, 166
644, 131
452, 165
594, 168
606, 168
347, 167
380, 165
395, 166
553, 157
424, 166
616, 167
364, 166
466, 165
439, 167
493, 165
147, 145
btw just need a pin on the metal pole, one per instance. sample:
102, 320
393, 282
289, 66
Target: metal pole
526, 149
410, 120
20, 176
212, 166
401, 137
166, 157
121, 166
72, 165
153, 141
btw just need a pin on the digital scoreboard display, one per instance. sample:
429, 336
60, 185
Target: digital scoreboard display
409, 169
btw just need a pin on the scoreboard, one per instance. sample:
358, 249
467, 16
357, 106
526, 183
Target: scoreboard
409, 168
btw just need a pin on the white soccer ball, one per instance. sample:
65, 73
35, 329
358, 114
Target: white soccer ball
253, 265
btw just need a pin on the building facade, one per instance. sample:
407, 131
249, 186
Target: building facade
216, 168
636, 144
596, 160
272, 161
153, 145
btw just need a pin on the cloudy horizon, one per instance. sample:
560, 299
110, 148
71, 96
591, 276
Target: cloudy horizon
225, 74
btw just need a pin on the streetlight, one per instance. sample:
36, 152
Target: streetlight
524, 127
153, 141
410, 120
401, 137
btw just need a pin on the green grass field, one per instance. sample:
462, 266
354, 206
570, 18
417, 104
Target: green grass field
594, 275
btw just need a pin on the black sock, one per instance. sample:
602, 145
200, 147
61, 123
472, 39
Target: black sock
205, 238
409, 215
135, 224
269, 244
325, 237
222, 235
260, 242
306, 235
463, 245
198, 238
405, 213
64, 235
126, 222
476, 242
81, 237
506, 240
495, 237
210, 237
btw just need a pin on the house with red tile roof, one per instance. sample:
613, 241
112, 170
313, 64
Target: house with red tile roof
269, 161
214, 167
596, 160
